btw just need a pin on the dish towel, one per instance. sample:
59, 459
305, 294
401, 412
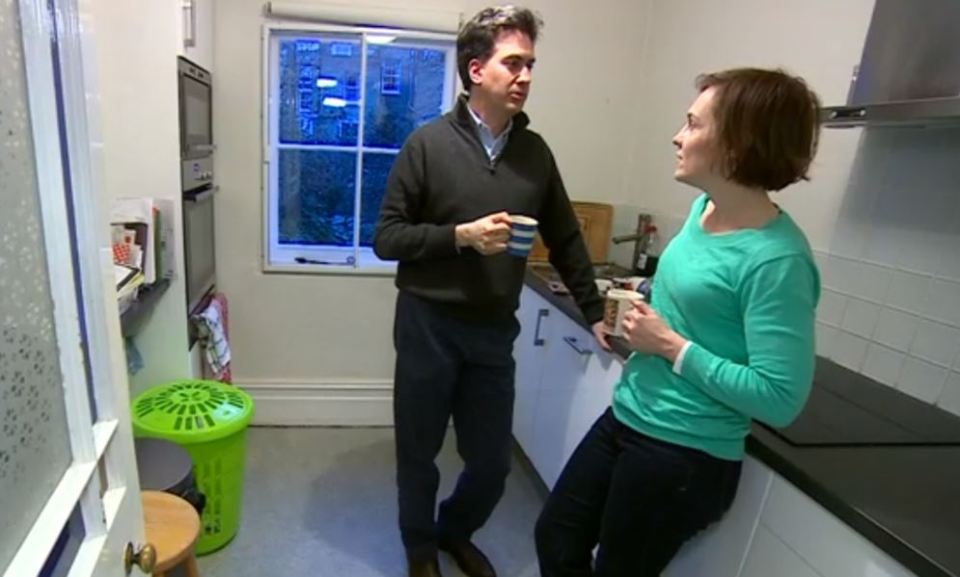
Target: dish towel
213, 332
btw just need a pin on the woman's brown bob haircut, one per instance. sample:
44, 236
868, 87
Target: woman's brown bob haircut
767, 125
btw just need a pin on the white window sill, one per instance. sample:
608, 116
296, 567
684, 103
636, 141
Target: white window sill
283, 260
329, 270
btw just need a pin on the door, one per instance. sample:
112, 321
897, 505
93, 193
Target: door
69, 491
576, 388
566, 361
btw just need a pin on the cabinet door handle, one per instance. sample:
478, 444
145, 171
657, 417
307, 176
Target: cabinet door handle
575, 345
537, 340
190, 26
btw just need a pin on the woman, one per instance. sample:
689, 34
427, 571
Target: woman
727, 338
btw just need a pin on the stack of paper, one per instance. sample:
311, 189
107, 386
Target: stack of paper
142, 239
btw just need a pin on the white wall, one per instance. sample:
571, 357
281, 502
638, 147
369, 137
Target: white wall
882, 210
134, 105
297, 336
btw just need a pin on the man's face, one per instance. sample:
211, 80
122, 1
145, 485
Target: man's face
504, 79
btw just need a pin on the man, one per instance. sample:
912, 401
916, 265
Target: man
445, 219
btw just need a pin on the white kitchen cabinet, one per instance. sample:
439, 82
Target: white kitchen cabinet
195, 41
720, 549
575, 389
564, 382
770, 556
823, 541
529, 349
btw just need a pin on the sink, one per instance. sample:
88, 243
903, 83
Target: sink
545, 272
603, 270
609, 270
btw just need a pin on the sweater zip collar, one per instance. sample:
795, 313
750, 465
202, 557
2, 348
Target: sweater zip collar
462, 116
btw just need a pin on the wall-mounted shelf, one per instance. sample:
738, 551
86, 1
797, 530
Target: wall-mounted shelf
131, 320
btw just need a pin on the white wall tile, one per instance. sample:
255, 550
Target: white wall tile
850, 350
860, 279
943, 302
919, 251
936, 343
860, 317
872, 281
828, 266
949, 255
950, 399
850, 240
821, 258
884, 246
826, 337
883, 364
895, 329
922, 380
839, 276
830, 308
908, 291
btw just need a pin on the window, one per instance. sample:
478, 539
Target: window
390, 78
340, 104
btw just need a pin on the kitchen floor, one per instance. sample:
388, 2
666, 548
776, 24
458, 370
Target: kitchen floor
322, 501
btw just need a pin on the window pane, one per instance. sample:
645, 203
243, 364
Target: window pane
34, 439
317, 195
404, 91
61, 558
376, 168
319, 100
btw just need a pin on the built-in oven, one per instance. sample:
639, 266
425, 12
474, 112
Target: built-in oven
196, 126
197, 180
199, 248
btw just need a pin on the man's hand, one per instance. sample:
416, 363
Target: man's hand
600, 334
487, 235
647, 333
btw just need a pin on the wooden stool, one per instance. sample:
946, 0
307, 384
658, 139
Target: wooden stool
173, 527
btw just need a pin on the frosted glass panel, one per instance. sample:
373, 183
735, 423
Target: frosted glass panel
34, 443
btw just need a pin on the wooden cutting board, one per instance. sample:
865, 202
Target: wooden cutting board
596, 219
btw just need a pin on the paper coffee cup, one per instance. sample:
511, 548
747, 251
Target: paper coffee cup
522, 231
618, 303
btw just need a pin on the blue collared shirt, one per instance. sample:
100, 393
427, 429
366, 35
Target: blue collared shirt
493, 145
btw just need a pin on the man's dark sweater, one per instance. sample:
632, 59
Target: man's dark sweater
443, 177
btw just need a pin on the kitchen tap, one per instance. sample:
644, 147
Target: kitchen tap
641, 239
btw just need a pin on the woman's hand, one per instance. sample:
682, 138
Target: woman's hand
647, 333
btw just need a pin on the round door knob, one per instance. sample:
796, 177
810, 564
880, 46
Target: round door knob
145, 558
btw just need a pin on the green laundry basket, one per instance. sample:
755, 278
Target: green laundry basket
209, 419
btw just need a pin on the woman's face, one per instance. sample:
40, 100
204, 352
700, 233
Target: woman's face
697, 149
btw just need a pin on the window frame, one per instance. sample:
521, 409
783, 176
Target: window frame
280, 258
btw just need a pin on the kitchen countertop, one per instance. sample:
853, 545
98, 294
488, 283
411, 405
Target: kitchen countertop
904, 499
566, 304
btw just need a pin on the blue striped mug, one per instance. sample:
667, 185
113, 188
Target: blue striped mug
522, 231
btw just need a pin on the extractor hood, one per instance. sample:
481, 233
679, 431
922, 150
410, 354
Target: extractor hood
909, 73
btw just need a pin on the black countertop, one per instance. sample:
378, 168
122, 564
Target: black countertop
904, 499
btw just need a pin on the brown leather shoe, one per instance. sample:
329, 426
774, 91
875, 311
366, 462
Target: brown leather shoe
469, 558
424, 567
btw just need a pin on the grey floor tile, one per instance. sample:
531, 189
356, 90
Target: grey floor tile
322, 501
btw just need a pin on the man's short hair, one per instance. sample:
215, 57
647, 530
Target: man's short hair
478, 36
